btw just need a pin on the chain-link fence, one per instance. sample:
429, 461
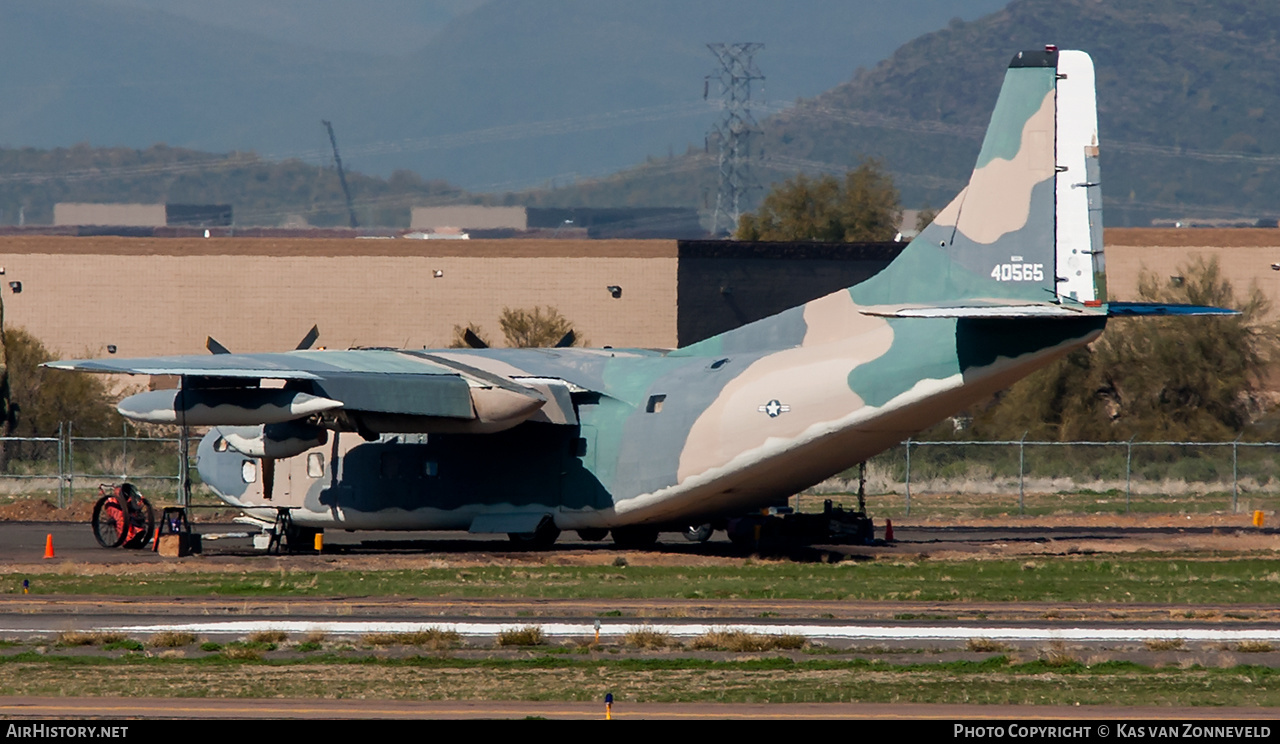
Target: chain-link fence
66, 466
929, 478
981, 478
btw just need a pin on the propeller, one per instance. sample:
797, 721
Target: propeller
312, 336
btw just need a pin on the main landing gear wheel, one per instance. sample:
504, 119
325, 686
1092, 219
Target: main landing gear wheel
122, 518
698, 533
541, 538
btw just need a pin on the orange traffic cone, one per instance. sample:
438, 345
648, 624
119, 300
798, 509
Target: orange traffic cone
48, 545
888, 530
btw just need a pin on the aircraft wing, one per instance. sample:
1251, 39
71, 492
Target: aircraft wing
373, 390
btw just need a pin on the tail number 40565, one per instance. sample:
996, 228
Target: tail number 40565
1018, 272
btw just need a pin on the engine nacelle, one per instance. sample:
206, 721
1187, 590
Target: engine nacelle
273, 440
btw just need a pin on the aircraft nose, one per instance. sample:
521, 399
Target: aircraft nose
221, 467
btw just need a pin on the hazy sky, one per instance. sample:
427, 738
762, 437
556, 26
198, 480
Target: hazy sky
488, 94
391, 27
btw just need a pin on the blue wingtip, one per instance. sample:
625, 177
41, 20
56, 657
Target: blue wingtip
1148, 309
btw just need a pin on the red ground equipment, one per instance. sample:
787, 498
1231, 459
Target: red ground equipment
122, 517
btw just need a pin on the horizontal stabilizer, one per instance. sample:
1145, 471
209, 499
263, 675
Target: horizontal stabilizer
1146, 309
980, 311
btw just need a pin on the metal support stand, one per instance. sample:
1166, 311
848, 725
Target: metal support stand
281, 530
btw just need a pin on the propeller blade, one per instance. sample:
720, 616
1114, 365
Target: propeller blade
308, 339
473, 340
214, 347
566, 340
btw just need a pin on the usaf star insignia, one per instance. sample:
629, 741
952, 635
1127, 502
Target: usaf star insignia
774, 408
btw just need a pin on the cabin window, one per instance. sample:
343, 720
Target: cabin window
249, 471
430, 468
655, 403
315, 465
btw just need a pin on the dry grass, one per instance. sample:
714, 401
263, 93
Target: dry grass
1164, 644
171, 639
268, 636
242, 653
647, 637
740, 641
529, 635
1057, 655
1254, 647
432, 638
986, 646
76, 638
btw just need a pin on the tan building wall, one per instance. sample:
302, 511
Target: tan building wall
469, 217
164, 296
118, 215
1244, 255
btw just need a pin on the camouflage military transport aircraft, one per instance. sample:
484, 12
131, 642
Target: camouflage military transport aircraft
1008, 278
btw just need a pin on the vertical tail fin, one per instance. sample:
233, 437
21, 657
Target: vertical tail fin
1027, 227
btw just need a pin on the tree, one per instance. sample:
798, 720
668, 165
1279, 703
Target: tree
43, 398
864, 206
539, 327
1196, 378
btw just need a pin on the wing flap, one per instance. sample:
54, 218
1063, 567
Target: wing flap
444, 395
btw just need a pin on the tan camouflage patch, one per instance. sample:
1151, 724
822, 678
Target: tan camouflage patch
998, 199
797, 388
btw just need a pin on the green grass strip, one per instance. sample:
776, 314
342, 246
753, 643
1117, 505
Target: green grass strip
1183, 580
